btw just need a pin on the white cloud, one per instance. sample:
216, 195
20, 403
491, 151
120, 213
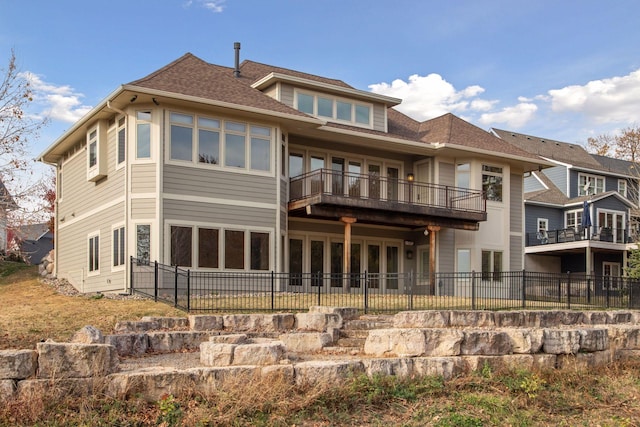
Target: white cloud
612, 100
215, 6
514, 117
426, 97
58, 102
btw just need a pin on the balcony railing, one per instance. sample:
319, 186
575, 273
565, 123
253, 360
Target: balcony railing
564, 235
387, 191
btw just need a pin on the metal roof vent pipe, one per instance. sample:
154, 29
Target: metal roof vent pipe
236, 71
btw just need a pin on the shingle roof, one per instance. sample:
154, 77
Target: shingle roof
564, 152
619, 166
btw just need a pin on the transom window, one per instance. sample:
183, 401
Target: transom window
492, 182
590, 184
210, 141
337, 109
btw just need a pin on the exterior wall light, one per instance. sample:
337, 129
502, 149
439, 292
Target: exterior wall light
410, 177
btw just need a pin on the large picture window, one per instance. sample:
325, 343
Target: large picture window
492, 182
259, 251
208, 247
181, 246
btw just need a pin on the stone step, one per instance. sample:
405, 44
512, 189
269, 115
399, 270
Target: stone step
352, 351
354, 333
350, 342
367, 324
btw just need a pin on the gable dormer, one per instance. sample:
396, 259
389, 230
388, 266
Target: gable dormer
328, 101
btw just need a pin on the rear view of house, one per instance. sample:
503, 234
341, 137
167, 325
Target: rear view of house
256, 168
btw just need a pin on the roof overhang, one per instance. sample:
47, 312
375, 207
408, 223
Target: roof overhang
273, 78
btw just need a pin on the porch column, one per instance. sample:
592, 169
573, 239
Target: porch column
432, 257
347, 250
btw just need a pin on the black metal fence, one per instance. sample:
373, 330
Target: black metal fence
198, 291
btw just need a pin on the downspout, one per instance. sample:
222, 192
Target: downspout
127, 269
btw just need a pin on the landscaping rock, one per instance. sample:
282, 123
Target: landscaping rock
7, 389
557, 341
259, 354
88, 335
421, 319
318, 322
206, 323
346, 313
509, 319
445, 367
395, 342
525, 341
306, 342
216, 354
326, 372
17, 364
468, 318
593, 340
168, 322
229, 339
485, 342
443, 342
165, 342
128, 344
70, 360
400, 367
141, 326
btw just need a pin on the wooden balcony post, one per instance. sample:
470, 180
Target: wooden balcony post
347, 251
432, 257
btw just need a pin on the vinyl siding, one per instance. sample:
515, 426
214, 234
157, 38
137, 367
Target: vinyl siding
558, 175
532, 184
143, 208
72, 261
515, 210
340, 150
202, 213
555, 217
447, 174
286, 95
190, 181
143, 178
379, 118
515, 249
446, 250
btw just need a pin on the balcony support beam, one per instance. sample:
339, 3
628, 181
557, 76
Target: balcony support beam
432, 229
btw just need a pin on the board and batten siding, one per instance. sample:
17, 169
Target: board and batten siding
227, 214
73, 240
218, 184
143, 178
516, 203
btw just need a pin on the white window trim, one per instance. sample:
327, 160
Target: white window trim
100, 169
89, 237
118, 128
625, 185
132, 148
336, 99
574, 213
500, 174
120, 267
544, 221
222, 132
619, 267
592, 189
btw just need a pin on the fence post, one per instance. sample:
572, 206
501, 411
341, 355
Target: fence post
175, 287
410, 295
273, 284
524, 288
131, 275
366, 293
568, 290
588, 289
188, 291
155, 281
473, 290
608, 282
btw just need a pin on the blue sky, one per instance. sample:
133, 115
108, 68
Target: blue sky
559, 69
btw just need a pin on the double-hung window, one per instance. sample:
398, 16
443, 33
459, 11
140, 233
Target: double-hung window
492, 265
118, 254
97, 151
94, 254
622, 187
590, 184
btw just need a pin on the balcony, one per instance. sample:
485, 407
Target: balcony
565, 235
326, 193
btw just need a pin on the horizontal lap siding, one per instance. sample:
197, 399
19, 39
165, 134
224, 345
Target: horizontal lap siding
143, 178
143, 208
72, 262
203, 213
379, 118
515, 214
446, 250
189, 181
515, 244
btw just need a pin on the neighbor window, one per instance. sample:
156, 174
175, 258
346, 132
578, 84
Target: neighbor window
143, 134
573, 219
463, 175
543, 224
622, 187
590, 184
492, 182
118, 253
94, 254
464, 260
491, 265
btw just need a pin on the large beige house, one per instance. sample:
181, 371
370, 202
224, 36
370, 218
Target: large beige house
260, 168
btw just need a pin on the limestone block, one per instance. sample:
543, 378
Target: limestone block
306, 342
524, 340
229, 339
7, 389
212, 379
206, 323
625, 337
216, 354
259, 354
395, 342
584, 360
318, 322
571, 317
400, 367
494, 343
140, 326
71, 360
346, 313
594, 340
168, 322
443, 342
470, 318
49, 268
60, 387
445, 367
509, 319
559, 341
543, 319
326, 371
619, 317
421, 319
128, 344
635, 317
285, 372
171, 341
88, 335
259, 322
595, 318
149, 384
623, 354
17, 364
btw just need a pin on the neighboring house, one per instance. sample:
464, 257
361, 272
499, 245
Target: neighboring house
561, 234
257, 168
6, 204
33, 241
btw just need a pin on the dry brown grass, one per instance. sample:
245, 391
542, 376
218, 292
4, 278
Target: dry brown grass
31, 311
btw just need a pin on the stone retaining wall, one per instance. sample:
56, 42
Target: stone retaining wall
445, 343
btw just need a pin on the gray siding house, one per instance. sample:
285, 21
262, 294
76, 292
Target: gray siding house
558, 200
257, 168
